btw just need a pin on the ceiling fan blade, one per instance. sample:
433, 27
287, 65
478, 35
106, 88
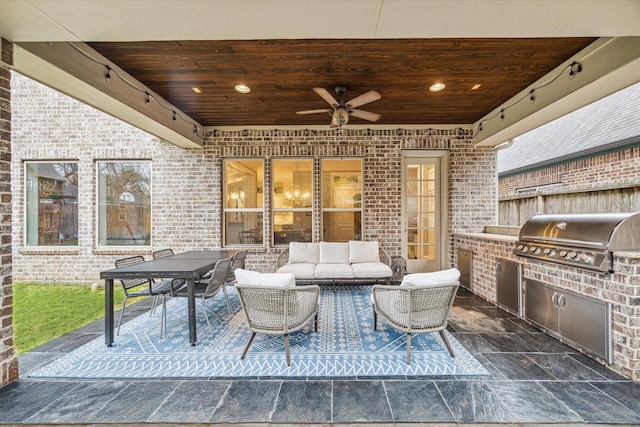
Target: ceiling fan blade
325, 110
324, 94
365, 98
372, 117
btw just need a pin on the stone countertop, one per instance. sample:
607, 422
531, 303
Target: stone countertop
489, 236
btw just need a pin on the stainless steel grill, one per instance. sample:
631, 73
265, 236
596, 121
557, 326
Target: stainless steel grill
579, 240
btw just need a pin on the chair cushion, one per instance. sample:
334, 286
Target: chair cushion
304, 252
301, 270
334, 271
436, 278
360, 251
248, 277
334, 253
371, 270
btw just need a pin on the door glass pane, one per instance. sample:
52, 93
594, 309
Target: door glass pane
421, 213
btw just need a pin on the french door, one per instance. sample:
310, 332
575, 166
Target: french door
424, 206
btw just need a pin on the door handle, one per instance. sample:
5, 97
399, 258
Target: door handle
554, 299
562, 302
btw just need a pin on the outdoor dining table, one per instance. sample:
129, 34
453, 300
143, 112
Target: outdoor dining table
190, 266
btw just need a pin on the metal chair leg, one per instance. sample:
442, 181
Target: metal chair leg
163, 321
226, 297
408, 348
375, 320
124, 304
246, 347
446, 343
286, 349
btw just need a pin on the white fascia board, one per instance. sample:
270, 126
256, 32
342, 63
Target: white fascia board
608, 65
60, 66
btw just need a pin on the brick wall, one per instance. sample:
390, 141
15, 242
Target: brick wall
186, 184
8, 360
616, 166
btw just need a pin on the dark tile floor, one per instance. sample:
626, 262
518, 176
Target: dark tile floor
534, 380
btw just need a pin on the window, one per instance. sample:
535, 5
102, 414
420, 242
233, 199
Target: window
51, 199
124, 203
292, 201
243, 206
341, 200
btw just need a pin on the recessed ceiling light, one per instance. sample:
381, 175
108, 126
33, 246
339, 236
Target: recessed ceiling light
437, 87
243, 88
476, 86
196, 89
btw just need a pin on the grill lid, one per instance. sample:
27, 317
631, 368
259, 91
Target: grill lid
579, 240
612, 232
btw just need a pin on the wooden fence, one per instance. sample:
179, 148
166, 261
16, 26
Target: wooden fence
514, 211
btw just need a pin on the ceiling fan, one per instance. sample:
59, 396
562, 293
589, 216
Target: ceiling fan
341, 110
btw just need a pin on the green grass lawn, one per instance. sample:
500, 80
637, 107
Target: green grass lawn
44, 312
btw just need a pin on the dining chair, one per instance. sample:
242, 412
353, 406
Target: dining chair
144, 288
206, 289
238, 262
421, 304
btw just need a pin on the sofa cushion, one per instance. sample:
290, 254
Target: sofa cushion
304, 252
334, 253
302, 270
371, 270
334, 271
436, 278
360, 251
252, 278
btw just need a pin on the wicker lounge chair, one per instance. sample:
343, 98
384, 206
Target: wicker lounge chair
421, 304
274, 307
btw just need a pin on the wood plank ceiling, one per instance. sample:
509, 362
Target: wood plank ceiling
282, 73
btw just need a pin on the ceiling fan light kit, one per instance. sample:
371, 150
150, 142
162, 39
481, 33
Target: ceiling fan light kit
341, 110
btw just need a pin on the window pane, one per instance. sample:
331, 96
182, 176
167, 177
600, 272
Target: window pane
292, 227
341, 226
341, 183
292, 184
244, 183
341, 200
243, 201
292, 201
124, 203
242, 228
51, 204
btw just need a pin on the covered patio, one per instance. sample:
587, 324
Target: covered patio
150, 85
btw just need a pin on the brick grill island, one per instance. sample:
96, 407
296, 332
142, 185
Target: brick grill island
621, 289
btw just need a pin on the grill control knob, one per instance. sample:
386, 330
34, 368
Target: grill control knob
535, 250
522, 248
584, 257
549, 252
563, 254
571, 254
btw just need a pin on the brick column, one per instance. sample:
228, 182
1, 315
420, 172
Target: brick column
8, 359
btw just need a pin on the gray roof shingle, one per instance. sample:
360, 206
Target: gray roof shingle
608, 121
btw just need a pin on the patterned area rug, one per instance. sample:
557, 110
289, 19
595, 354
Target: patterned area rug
346, 345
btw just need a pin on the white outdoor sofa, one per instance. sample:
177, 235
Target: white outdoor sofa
336, 262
